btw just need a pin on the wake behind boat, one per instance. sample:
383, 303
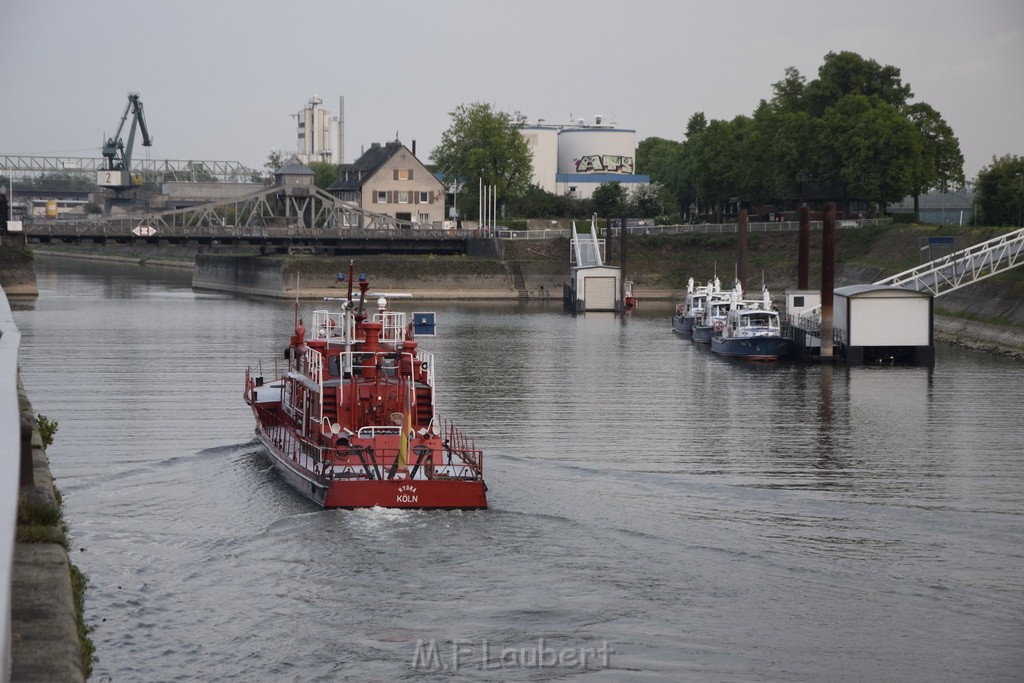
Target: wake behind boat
349, 421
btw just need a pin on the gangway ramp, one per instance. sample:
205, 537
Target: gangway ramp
964, 267
586, 248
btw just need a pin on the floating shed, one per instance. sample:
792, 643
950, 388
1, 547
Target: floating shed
594, 288
592, 285
879, 323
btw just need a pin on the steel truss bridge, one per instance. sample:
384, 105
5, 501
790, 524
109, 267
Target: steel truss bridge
964, 267
274, 218
151, 169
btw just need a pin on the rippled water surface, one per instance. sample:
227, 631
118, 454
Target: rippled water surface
699, 519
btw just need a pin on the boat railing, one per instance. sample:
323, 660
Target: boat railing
331, 326
300, 450
393, 325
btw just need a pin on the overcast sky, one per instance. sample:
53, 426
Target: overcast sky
220, 80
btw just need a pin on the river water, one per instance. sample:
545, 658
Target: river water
657, 513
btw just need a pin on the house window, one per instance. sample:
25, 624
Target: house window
424, 197
424, 219
403, 174
382, 197
798, 302
403, 197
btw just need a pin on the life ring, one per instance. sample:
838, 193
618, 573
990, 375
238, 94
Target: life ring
719, 326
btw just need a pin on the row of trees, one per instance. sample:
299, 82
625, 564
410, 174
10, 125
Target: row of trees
850, 134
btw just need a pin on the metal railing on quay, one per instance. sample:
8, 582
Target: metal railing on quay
545, 234
124, 228
691, 228
759, 226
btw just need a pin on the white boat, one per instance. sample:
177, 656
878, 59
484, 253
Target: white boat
753, 331
711, 321
693, 305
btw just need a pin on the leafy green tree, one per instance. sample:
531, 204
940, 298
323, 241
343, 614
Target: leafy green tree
326, 173
942, 162
1000, 191
663, 160
610, 199
275, 160
650, 201
696, 125
538, 203
63, 180
483, 142
846, 73
875, 149
715, 167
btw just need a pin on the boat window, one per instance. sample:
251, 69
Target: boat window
333, 366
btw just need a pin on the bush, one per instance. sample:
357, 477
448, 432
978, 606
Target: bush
905, 218
47, 428
513, 223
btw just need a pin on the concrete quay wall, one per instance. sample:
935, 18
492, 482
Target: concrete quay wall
44, 625
316, 277
239, 274
39, 628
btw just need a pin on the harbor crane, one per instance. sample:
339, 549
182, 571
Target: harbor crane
117, 174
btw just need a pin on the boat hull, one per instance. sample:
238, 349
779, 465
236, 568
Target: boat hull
702, 334
683, 324
753, 348
418, 494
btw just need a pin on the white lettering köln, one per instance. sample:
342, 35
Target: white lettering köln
407, 494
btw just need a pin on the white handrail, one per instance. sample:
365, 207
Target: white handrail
10, 458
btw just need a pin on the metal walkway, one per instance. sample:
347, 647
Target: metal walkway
964, 267
586, 249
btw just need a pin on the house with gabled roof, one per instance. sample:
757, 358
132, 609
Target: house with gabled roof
388, 179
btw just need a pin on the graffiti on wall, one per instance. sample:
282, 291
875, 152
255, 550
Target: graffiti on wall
604, 163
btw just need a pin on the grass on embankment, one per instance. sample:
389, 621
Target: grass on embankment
40, 521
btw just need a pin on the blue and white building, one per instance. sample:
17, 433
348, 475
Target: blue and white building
575, 158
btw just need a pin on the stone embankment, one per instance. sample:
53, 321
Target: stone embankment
17, 276
45, 643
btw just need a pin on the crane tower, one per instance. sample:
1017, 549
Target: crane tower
117, 175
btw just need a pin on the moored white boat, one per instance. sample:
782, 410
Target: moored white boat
753, 331
692, 305
710, 322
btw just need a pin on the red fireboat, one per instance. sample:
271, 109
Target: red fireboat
350, 422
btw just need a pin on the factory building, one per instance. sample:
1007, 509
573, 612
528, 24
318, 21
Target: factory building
575, 158
320, 137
